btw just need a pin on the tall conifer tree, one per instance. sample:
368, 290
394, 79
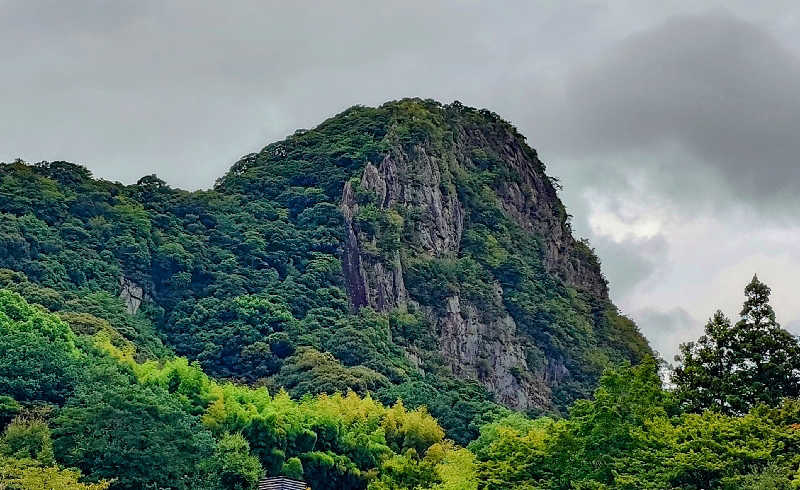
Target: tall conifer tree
735, 367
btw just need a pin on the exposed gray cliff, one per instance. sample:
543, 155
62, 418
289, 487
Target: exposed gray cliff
131, 294
534, 204
490, 350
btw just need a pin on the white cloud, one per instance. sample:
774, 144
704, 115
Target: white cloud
623, 219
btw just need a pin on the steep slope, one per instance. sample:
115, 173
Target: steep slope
414, 250
451, 214
448, 188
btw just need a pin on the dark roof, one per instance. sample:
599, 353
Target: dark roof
281, 483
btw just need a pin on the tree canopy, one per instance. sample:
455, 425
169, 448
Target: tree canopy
130, 423
735, 367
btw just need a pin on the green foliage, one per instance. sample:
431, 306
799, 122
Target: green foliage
460, 408
434, 280
246, 281
26, 474
631, 437
770, 478
456, 470
39, 354
247, 278
233, 464
87, 312
339, 441
293, 468
380, 228
708, 451
583, 448
513, 454
28, 439
366, 340
733, 368
27, 460
226, 336
137, 434
601, 430
443, 467
9, 408
314, 372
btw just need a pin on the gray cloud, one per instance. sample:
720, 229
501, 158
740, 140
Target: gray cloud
185, 88
666, 329
718, 93
626, 263
131, 87
629, 263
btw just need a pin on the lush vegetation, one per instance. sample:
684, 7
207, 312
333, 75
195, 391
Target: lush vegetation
245, 357
247, 278
129, 424
166, 424
633, 436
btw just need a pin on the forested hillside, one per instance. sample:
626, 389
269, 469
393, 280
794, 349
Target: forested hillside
383, 301
79, 409
413, 250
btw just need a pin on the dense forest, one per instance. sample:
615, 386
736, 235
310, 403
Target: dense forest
392, 300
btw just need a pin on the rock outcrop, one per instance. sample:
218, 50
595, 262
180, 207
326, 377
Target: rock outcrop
131, 294
490, 350
404, 181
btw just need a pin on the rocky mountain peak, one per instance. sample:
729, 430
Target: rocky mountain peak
414, 207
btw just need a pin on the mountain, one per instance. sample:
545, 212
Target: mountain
398, 279
414, 250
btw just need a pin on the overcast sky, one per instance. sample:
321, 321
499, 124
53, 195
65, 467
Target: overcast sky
674, 126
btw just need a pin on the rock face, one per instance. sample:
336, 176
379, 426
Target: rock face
370, 282
131, 294
490, 350
412, 182
492, 353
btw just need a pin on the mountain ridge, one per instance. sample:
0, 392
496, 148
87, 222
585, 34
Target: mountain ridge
409, 248
430, 154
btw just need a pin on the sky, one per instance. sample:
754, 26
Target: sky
674, 126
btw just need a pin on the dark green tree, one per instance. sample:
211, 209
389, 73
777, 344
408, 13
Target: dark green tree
140, 435
602, 429
27, 439
703, 379
38, 360
766, 360
9, 408
233, 465
733, 368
